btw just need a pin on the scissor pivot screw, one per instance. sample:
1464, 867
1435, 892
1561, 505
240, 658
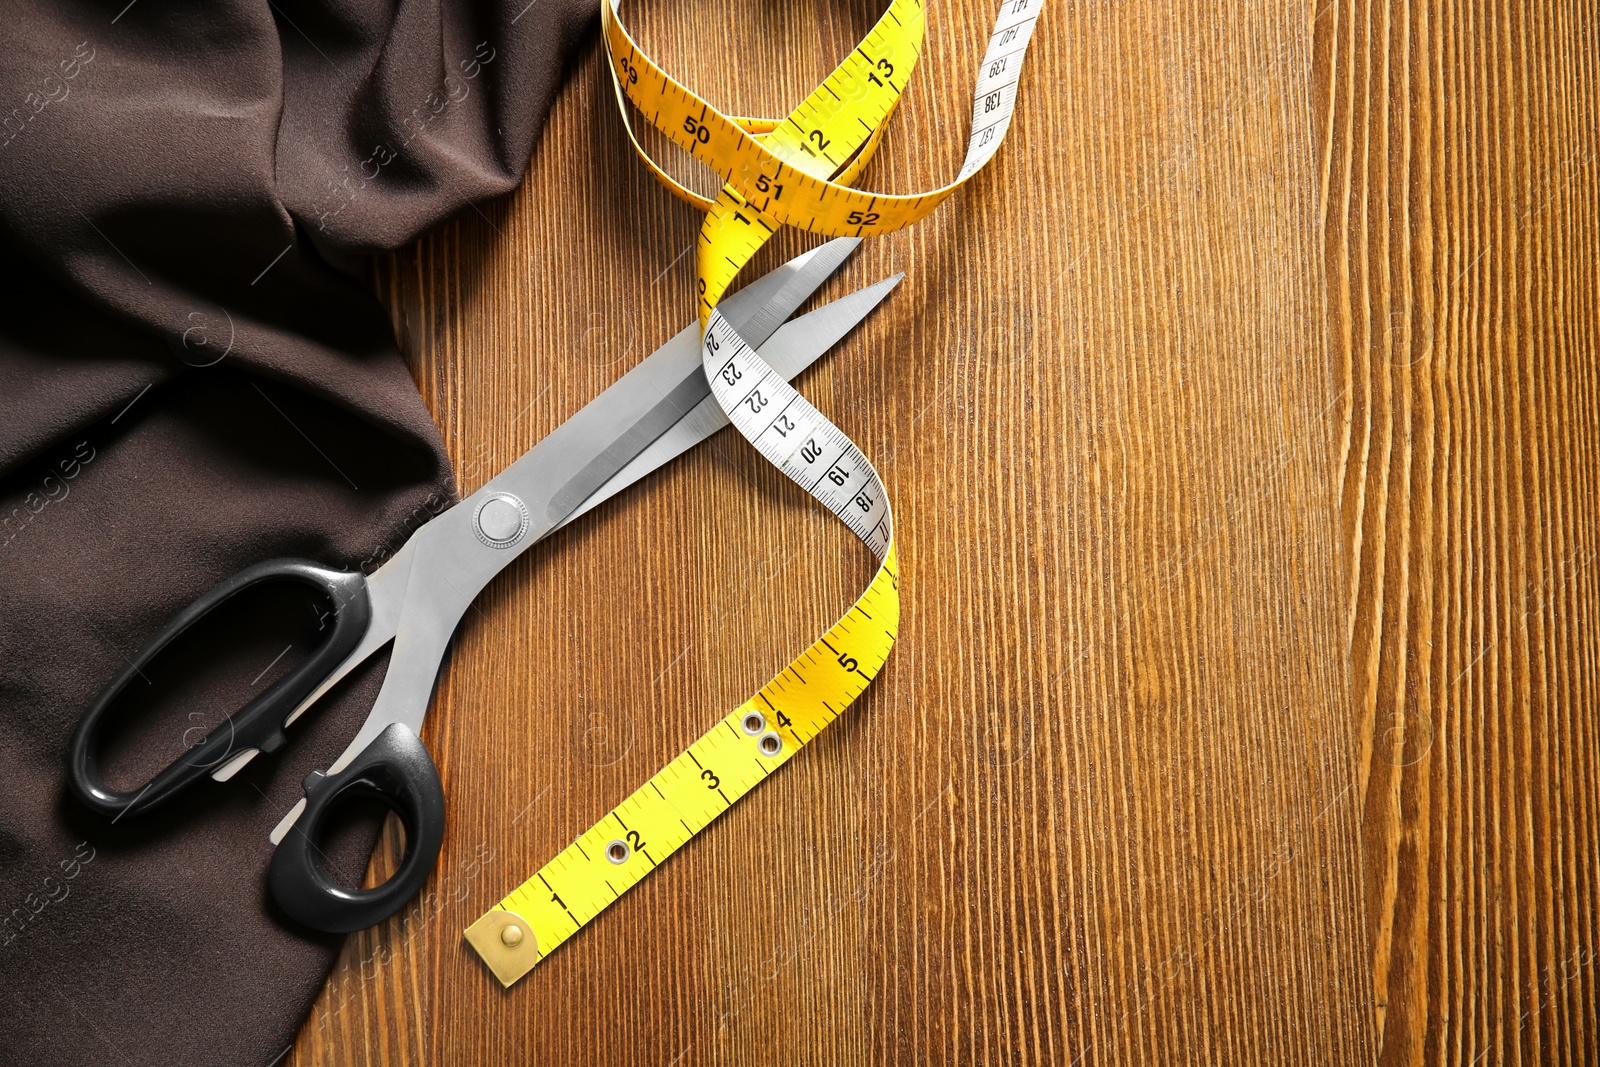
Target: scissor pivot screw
501, 520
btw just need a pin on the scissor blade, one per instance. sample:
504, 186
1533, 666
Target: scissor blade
662, 389
756, 309
420, 594
794, 347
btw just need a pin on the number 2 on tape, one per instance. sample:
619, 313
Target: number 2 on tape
794, 172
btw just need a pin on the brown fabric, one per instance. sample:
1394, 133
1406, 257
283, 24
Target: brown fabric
194, 378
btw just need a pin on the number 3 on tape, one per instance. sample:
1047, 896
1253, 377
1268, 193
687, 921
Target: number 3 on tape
794, 172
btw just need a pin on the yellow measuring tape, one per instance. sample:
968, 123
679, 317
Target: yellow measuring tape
792, 172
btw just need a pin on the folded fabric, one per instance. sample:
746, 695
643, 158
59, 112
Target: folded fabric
193, 378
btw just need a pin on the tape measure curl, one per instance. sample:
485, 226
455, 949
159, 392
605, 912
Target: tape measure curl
790, 172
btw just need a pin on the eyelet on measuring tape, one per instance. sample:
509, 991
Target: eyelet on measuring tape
618, 851
770, 744
500, 521
754, 723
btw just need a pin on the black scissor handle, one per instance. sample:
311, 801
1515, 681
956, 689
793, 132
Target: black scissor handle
396, 769
259, 724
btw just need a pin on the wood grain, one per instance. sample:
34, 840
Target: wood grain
1102, 806
1457, 147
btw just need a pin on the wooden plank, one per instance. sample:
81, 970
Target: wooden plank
1101, 805
1457, 150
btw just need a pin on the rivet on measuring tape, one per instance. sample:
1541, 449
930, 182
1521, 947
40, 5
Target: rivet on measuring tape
754, 723
618, 851
507, 942
770, 744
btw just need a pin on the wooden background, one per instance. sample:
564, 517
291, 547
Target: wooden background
1456, 157
1241, 422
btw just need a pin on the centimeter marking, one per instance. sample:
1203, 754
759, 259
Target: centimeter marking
811, 202
795, 437
844, 123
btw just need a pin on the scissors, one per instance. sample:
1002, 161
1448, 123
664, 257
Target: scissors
655, 412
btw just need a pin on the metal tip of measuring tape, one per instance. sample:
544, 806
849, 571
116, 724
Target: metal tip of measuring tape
505, 943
